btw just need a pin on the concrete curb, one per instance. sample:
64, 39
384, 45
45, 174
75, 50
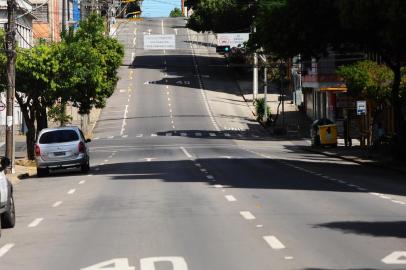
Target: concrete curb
355, 160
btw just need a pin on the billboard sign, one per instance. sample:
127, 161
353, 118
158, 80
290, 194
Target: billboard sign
232, 39
159, 42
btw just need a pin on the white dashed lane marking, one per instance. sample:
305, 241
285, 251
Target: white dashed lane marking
247, 215
35, 222
56, 204
273, 242
82, 182
71, 191
230, 198
6, 248
186, 152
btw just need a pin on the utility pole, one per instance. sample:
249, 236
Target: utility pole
11, 60
63, 17
266, 93
255, 67
281, 71
255, 74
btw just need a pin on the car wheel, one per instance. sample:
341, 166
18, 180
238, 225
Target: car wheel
41, 172
85, 168
8, 218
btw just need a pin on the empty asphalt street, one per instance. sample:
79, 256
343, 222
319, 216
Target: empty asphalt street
183, 178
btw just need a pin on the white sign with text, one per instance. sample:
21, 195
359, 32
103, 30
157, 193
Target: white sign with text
159, 42
232, 39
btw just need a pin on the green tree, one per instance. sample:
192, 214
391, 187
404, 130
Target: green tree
288, 27
367, 79
176, 12
90, 61
221, 16
36, 87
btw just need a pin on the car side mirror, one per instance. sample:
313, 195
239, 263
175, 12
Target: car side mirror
88, 140
4, 162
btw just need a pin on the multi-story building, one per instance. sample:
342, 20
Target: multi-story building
24, 21
49, 15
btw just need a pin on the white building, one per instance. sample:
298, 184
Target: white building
24, 21
24, 40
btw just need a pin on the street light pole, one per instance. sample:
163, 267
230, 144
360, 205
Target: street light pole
11, 60
265, 93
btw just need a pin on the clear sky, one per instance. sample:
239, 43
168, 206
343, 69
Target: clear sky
158, 8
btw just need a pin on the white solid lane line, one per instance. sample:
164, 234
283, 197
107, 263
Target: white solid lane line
230, 198
56, 204
218, 186
124, 120
71, 191
35, 222
4, 249
185, 152
247, 215
273, 242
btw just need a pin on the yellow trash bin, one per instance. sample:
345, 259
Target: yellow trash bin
328, 134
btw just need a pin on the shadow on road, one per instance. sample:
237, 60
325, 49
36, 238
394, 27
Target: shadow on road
373, 228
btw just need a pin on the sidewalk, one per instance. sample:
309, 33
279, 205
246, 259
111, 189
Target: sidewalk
360, 155
299, 127
297, 124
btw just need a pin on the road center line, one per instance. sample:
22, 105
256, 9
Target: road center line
273, 242
247, 215
35, 222
4, 249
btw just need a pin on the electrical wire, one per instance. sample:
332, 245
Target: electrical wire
23, 38
28, 12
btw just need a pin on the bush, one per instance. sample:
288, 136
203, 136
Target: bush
260, 109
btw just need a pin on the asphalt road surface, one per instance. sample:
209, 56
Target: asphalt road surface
182, 178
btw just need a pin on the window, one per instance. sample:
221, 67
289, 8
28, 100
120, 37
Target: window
40, 12
58, 136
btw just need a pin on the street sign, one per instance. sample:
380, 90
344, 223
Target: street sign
159, 42
232, 39
361, 107
2, 106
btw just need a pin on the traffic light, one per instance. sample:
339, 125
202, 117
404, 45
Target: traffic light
223, 49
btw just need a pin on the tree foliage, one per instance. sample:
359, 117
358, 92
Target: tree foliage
176, 12
286, 28
367, 79
82, 69
221, 16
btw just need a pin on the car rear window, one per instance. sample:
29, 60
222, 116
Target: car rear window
58, 136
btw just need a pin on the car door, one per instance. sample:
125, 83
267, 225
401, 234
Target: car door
3, 190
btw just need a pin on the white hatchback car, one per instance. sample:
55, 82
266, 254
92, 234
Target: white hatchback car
7, 209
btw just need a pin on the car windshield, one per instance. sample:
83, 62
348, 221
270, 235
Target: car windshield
58, 136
